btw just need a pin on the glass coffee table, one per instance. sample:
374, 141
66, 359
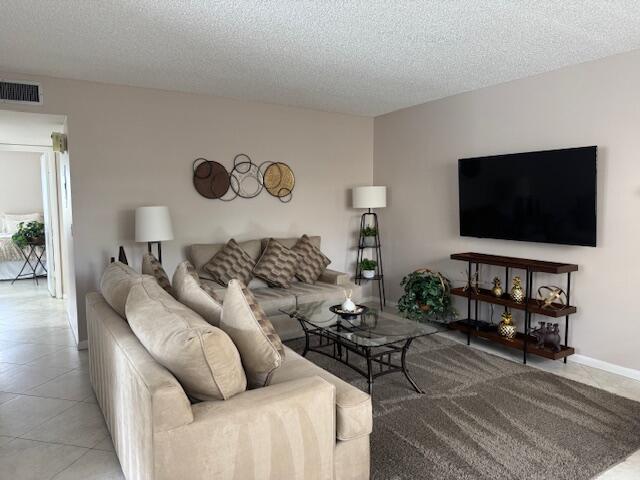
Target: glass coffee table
376, 337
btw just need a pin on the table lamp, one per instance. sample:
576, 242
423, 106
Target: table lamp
153, 225
370, 197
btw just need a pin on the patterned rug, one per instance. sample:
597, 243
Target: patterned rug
484, 417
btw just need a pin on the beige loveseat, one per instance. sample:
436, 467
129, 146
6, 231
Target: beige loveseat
307, 424
331, 285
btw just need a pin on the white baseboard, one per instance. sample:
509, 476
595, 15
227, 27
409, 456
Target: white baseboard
606, 366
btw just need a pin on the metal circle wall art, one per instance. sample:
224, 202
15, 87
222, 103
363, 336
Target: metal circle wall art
279, 181
210, 179
245, 180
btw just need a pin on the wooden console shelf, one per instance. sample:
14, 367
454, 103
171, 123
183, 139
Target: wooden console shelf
486, 296
518, 263
517, 343
523, 340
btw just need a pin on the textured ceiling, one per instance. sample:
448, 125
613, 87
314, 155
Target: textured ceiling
361, 57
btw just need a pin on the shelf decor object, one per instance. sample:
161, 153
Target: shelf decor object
528, 340
369, 198
153, 225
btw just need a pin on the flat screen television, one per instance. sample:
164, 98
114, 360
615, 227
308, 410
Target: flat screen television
547, 196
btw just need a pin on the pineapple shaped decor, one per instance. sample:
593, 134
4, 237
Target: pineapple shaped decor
497, 288
506, 328
517, 293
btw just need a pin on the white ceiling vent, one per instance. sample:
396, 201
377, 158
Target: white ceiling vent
20, 92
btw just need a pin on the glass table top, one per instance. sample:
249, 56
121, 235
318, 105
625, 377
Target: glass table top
374, 328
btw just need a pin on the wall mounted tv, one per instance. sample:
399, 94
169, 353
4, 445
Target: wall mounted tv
547, 196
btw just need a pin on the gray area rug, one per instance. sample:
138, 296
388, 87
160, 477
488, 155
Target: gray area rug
484, 417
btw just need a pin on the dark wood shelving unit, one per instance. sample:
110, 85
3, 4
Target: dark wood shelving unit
523, 340
487, 296
517, 342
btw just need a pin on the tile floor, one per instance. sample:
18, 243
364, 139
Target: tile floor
51, 427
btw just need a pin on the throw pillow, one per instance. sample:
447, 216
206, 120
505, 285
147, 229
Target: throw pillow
229, 263
202, 357
246, 323
151, 266
196, 295
116, 282
312, 261
277, 265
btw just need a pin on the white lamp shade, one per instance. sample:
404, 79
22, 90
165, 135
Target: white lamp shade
369, 197
153, 224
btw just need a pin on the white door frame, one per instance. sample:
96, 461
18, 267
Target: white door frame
51, 210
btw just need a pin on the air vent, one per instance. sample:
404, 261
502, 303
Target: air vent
20, 92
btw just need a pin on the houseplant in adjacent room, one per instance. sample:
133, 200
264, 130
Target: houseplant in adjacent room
427, 294
368, 268
369, 235
31, 233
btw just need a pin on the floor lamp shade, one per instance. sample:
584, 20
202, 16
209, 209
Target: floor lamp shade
153, 224
369, 197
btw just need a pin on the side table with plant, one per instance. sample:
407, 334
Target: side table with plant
427, 294
30, 234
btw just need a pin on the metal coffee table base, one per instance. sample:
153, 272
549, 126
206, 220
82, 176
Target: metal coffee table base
380, 356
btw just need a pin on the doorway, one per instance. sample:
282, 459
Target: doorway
47, 262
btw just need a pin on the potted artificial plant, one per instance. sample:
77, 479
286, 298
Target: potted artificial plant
30, 234
426, 294
368, 268
369, 236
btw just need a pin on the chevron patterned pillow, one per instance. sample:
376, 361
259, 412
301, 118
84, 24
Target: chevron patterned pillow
230, 262
312, 261
277, 265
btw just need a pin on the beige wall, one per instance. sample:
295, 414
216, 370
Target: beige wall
130, 147
416, 152
20, 183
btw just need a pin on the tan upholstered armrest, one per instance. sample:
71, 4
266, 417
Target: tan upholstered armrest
281, 431
334, 277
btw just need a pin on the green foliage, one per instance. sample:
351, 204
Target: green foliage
369, 232
32, 232
426, 295
366, 264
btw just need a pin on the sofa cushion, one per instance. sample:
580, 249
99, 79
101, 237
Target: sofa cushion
115, 284
258, 343
151, 266
277, 264
229, 263
273, 299
202, 357
353, 406
200, 254
318, 292
289, 242
312, 261
198, 296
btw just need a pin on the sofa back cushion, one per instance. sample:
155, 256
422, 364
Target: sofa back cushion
246, 323
291, 241
202, 357
196, 295
200, 254
151, 266
117, 281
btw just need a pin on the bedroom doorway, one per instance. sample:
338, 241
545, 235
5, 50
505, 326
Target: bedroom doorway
27, 137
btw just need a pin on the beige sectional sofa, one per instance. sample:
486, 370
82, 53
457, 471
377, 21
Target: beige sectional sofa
331, 286
307, 424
